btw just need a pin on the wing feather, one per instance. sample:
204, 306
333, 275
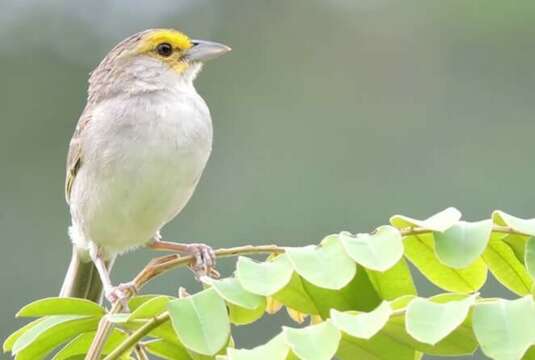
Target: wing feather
74, 157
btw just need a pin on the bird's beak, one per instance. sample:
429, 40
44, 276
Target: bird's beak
205, 50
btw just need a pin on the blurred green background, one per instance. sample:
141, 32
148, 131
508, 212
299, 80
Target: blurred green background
329, 115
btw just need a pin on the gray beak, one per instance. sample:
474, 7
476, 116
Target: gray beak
205, 50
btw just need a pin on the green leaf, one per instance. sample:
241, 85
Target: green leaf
394, 282
525, 226
295, 296
530, 354
315, 342
327, 265
232, 291
439, 222
275, 349
362, 325
463, 243
8, 343
265, 278
150, 308
167, 350
54, 330
379, 347
516, 241
139, 300
80, 345
503, 328
420, 250
201, 322
242, 316
517, 244
379, 251
165, 331
530, 257
460, 342
307, 298
197, 356
506, 267
392, 342
401, 302
244, 307
61, 306
430, 322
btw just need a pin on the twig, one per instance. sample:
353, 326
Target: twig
138, 335
495, 228
103, 331
157, 267
140, 352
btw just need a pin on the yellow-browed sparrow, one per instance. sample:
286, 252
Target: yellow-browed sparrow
137, 153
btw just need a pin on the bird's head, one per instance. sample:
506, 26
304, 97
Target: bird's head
153, 58
176, 49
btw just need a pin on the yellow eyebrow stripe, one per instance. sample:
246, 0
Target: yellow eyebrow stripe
177, 39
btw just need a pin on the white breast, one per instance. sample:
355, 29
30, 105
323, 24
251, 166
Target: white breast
142, 158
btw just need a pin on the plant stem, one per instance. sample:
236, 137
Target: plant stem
495, 228
140, 352
103, 331
132, 340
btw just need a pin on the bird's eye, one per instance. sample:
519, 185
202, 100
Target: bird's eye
165, 49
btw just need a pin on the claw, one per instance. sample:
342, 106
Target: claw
214, 274
121, 293
204, 256
204, 260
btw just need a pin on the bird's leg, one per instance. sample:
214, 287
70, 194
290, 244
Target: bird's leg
204, 255
112, 293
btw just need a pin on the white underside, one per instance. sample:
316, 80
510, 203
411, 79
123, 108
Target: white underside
142, 159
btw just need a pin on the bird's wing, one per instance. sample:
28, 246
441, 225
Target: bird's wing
74, 157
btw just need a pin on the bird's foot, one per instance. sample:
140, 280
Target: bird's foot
205, 260
121, 293
204, 256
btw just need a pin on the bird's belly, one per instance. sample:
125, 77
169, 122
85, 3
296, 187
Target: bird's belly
138, 199
127, 189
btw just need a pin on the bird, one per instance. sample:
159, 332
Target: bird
136, 156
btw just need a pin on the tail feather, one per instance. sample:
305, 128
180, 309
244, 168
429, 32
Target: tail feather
82, 279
